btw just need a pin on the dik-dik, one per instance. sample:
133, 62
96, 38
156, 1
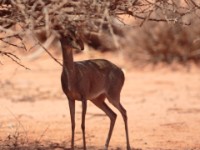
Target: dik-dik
94, 80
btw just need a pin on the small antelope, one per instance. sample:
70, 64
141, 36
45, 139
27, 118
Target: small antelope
93, 80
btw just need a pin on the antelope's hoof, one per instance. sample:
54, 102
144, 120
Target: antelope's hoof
106, 148
128, 148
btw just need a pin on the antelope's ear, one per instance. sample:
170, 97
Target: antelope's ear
79, 39
80, 43
75, 42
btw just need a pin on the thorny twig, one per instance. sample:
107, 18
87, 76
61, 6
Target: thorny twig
19, 122
40, 44
13, 58
56, 60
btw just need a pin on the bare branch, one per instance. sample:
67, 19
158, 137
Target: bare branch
88, 16
40, 44
13, 58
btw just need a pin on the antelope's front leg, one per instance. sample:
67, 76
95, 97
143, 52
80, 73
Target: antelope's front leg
84, 109
72, 113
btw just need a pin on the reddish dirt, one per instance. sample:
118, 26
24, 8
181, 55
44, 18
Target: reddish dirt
163, 108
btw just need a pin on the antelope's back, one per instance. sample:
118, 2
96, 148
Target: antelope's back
100, 68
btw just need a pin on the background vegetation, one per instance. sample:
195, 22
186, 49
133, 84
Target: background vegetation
159, 31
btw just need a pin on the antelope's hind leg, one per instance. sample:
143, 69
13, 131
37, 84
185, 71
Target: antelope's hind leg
115, 101
84, 109
99, 102
125, 118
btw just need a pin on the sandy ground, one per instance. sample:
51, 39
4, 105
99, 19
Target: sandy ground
163, 108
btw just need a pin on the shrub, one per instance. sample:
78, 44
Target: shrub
162, 42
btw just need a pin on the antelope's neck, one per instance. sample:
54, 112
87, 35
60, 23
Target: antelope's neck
68, 66
68, 61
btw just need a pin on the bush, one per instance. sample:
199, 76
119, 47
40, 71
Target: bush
162, 42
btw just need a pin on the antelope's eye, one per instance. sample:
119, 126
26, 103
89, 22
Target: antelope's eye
69, 39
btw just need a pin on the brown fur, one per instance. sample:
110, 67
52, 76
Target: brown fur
92, 80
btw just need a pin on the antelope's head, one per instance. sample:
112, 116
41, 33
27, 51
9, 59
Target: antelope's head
72, 39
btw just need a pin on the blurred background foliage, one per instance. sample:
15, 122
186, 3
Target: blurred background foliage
147, 31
